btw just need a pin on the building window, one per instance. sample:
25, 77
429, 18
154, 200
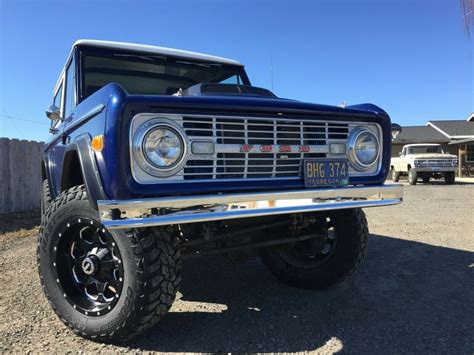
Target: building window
470, 153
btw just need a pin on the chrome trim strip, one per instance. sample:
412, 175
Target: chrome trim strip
244, 205
85, 117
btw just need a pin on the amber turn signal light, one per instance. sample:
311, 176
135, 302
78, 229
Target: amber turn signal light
97, 143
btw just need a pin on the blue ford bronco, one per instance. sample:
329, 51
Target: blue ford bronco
159, 154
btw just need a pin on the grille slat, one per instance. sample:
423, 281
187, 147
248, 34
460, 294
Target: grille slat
434, 162
242, 166
257, 132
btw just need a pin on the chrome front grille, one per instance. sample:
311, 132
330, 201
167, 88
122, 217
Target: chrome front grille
290, 140
434, 162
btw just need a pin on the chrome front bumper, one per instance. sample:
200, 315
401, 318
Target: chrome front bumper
118, 214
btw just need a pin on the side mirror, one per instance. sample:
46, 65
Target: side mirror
396, 130
400, 153
52, 112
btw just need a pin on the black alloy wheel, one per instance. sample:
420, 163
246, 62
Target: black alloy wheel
88, 266
105, 285
311, 253
338, 246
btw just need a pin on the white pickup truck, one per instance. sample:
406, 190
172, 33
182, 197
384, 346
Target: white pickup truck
424, 161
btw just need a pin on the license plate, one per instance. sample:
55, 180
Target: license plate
326, 172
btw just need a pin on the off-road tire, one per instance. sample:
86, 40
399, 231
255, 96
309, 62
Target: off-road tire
45, 197
350, 250
412, 176
395, 175
449, 177
151, 268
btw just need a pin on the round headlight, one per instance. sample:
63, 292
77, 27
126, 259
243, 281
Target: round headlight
364, 148
163, 147
159, 147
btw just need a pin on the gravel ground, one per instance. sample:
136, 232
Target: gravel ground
413, 293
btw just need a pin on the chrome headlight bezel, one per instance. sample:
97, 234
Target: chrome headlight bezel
140, 156
351, 145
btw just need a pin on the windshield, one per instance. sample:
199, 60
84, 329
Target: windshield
425, 149
152, 74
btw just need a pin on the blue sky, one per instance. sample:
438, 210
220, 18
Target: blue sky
411, 57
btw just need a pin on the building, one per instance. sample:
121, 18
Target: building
455, 136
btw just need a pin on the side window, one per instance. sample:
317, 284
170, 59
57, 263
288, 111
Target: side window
70, 99
234, 79
57, 98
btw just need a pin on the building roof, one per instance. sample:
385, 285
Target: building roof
154, 50
420, 134
454, 129
462, 141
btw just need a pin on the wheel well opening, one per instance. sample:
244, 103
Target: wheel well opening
43, 171
408, 167
72, 172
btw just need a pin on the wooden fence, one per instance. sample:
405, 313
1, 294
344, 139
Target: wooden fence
20, 175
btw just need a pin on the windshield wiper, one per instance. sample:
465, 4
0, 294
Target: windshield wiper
205, 65
150, 58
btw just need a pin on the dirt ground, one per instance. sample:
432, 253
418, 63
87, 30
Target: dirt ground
413, 293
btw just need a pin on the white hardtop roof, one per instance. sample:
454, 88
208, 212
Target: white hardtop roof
144, 48
420, 144
154, 50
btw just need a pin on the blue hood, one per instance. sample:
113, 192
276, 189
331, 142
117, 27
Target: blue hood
253, 103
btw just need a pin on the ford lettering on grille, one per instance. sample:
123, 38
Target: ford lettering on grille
254, 148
